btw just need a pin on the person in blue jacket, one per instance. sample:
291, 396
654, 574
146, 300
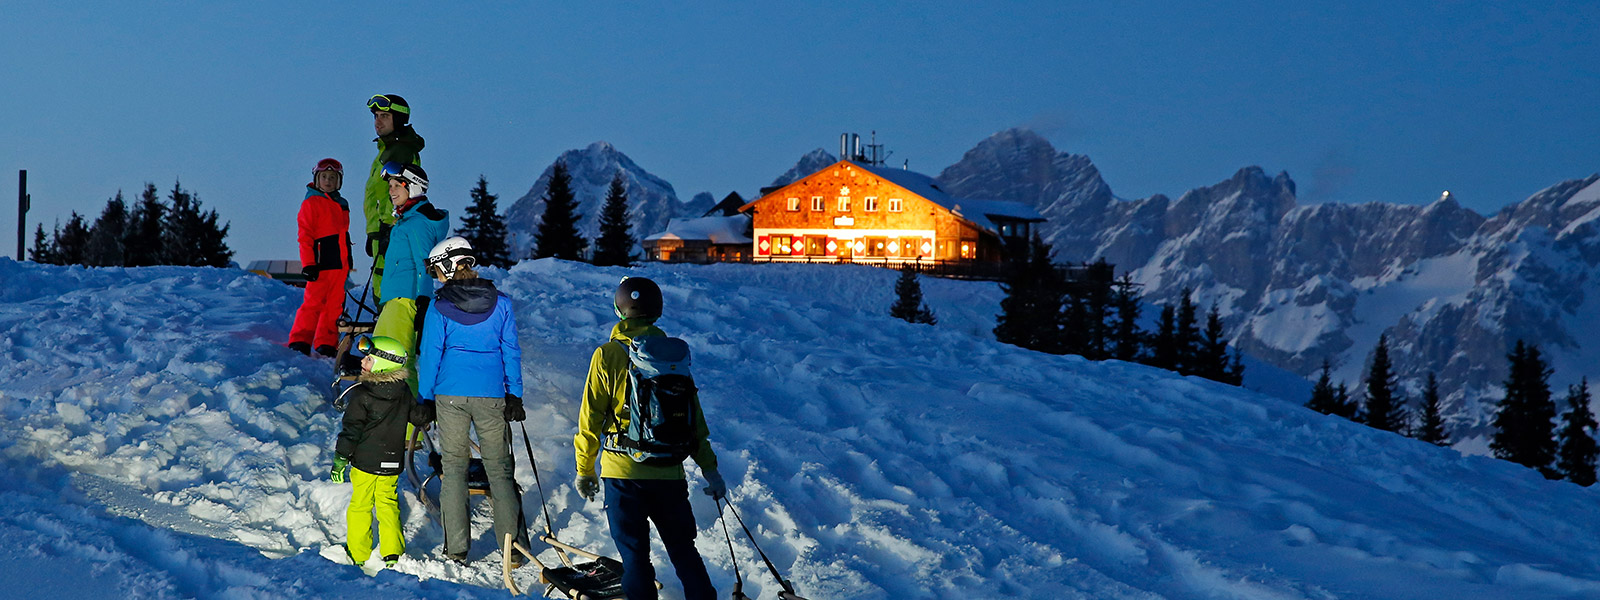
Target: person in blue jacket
406, 288
469, 375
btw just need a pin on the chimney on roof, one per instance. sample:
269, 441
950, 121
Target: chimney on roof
844, 146
855, 146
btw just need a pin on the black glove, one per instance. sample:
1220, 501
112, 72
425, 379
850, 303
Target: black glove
514, 410
424, 413
310, 273
372, 244
422, 312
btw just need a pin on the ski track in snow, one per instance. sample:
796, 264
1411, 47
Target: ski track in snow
159, 442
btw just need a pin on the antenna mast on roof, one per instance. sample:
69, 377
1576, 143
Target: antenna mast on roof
877, 156
851, 149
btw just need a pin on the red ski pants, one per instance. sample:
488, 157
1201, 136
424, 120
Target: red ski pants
317, 321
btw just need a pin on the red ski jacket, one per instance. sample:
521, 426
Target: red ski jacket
324, 231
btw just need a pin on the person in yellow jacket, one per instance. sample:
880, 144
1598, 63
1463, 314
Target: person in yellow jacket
638, 493
397, 143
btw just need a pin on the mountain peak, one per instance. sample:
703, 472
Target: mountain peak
809, 163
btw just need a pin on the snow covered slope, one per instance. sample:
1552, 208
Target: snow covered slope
156, 442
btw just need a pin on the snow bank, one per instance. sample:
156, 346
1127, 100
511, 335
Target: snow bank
874, 458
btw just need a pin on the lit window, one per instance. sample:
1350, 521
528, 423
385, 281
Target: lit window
871, 204
895, 205
877, 246
816, 245
816, 203
782, 244
844, 204
969, 250
794, 204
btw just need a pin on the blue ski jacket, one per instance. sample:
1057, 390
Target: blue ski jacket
413, 236
469, 343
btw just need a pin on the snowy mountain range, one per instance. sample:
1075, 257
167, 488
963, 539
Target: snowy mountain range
1298, 284
176, 449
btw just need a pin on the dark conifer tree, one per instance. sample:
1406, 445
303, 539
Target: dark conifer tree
1431, 428
1578, 451
1029, 311
1127, 338
141, 245
1095, 302
1186, 337
178, 227
615, 245
557, 233
1073, 323
44, 246
1343, 403
1211, 352
908, 304
1234, 374
1323, 398
1524, 422
191, 236
1164, 343
1384, 409
105, 238
484, 228
72, 242
210, 242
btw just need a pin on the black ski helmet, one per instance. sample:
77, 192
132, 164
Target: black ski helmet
637, 298
392, 104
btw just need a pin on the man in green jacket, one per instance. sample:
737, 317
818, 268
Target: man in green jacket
639, 493
397, 143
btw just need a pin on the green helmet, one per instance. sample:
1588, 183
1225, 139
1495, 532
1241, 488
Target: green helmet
388, 354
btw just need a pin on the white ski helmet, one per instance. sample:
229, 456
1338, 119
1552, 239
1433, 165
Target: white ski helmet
450, 255
415, 179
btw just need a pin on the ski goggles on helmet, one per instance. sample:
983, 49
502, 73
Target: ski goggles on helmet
383, 103
367, 347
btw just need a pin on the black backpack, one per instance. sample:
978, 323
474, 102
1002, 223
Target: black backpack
662, 402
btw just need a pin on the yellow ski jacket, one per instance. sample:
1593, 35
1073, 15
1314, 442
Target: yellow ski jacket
605, 410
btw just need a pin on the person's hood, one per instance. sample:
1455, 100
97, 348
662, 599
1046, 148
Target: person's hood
388, 385
628, 330
403, 135
312, 191
467, 301
436, 219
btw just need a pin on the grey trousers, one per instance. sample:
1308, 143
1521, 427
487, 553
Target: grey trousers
455, 415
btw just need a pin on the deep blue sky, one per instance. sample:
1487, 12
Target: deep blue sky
1364, 101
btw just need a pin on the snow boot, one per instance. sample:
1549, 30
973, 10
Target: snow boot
328, 351
391, 560
301, 347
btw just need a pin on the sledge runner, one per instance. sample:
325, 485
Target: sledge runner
469, 375
404, 294
372, 444
398, 143
642, 466
324, 236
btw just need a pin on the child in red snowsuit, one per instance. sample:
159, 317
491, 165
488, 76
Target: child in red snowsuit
325, 254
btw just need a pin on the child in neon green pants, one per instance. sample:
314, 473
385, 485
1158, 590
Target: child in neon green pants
372, 444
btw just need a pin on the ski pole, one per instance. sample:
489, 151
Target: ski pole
788, 590
549, 529
738, 580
